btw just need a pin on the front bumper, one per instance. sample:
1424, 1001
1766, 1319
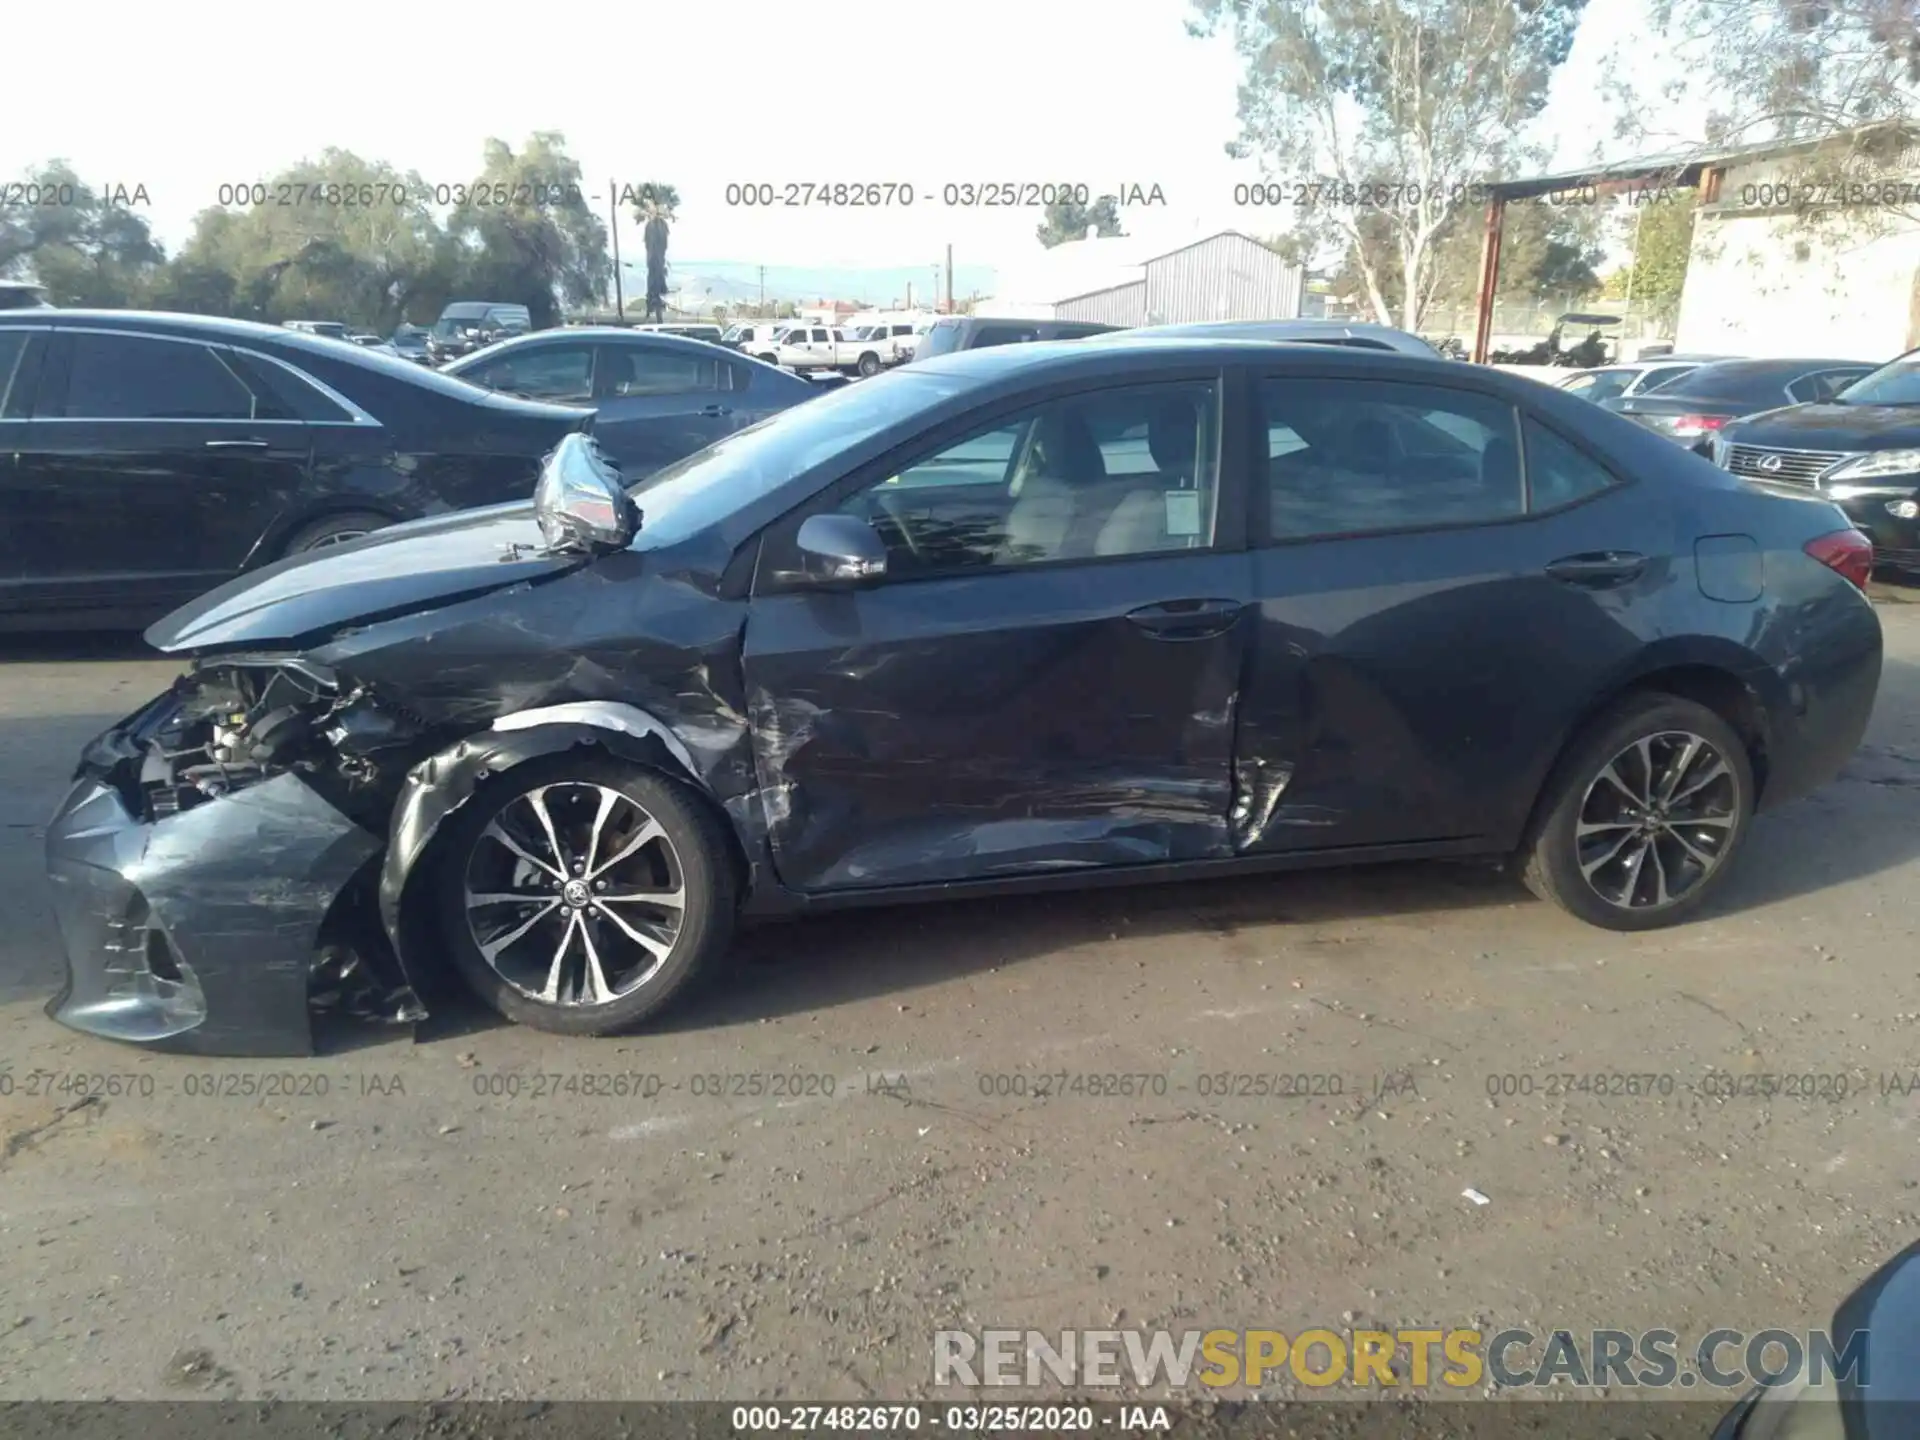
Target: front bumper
197, 932
1896, 539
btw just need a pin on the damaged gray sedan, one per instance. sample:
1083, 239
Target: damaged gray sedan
1026, 617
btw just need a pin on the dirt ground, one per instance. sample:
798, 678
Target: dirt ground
491, 1212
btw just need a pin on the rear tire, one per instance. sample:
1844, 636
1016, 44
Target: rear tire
1643, 816
333, 530
593, 954
869, 365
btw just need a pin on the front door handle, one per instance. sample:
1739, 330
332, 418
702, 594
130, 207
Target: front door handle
1599, 569
716, 411
236, 444
1187, 619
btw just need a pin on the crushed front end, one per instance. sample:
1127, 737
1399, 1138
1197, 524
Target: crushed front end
213, 866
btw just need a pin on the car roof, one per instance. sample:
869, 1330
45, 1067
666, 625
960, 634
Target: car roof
213, 329
1304, 328
1052, 359
1736, 369
613, 334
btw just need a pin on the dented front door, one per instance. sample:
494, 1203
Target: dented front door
1001, 724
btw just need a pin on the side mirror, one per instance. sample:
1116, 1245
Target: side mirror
840, 549
580, 503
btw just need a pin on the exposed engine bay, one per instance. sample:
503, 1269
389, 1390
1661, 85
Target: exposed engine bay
238, 721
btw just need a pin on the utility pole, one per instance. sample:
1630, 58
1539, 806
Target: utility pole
949, 277
763, 288
613, 214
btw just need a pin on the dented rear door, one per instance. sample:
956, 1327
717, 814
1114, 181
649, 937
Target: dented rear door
1434, 615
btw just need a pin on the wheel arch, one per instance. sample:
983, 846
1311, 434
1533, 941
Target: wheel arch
1719, 674
439, 786
272, 544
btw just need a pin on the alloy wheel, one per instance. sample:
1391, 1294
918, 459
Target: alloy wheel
335, 537
574, 894
1657, 820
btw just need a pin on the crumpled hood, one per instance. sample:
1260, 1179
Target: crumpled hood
413, 566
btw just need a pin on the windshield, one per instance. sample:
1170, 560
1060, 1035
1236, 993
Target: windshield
713, 483
1895, 383
942, 338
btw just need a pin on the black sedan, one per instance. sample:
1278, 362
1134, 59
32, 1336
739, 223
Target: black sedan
1031, 616
658, 397
149, 457
1692, 409
1861, 450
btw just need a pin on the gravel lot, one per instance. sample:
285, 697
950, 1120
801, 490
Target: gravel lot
444, 1222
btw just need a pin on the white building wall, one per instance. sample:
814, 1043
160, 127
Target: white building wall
1844, 285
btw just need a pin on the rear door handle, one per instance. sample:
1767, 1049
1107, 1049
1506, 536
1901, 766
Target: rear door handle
1187, 619
236, 444
716, 411
1599, 569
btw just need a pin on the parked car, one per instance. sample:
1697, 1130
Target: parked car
409, 342
151, 456
1691, 409
21, 295
466, 325
658, 397
329, 329
690, 329
993, 622
1354, 334
1860, 448
1633, 377
821, 350
969, 332
757, 338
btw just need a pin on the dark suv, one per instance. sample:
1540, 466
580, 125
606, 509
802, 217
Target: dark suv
1859, 447
972, 332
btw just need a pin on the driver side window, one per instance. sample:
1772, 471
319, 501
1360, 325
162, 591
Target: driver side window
1120, 472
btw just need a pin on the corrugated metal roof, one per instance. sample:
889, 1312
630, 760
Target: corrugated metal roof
1679, 167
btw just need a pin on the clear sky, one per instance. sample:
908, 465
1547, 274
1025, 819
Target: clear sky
1111, 93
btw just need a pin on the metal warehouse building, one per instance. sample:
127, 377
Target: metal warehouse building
1115, 281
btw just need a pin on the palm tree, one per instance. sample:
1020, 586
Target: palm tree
654, 209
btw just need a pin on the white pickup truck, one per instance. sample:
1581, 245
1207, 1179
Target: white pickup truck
865, 351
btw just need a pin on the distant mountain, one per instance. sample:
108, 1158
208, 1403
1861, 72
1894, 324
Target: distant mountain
731, 282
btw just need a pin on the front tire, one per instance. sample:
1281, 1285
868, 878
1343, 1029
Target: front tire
1643, 816
581, 896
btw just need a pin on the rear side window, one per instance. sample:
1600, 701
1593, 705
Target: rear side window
13, 344
1003, 335
282, 395
1349, 457
1558, 474
1765, 386
1824, 385
135, 377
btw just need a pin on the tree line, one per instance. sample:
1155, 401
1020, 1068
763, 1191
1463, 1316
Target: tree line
343, 237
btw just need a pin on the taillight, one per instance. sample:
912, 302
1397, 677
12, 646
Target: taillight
1697, 424
1846, 551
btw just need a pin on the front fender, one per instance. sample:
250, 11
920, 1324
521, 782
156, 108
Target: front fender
439, 785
